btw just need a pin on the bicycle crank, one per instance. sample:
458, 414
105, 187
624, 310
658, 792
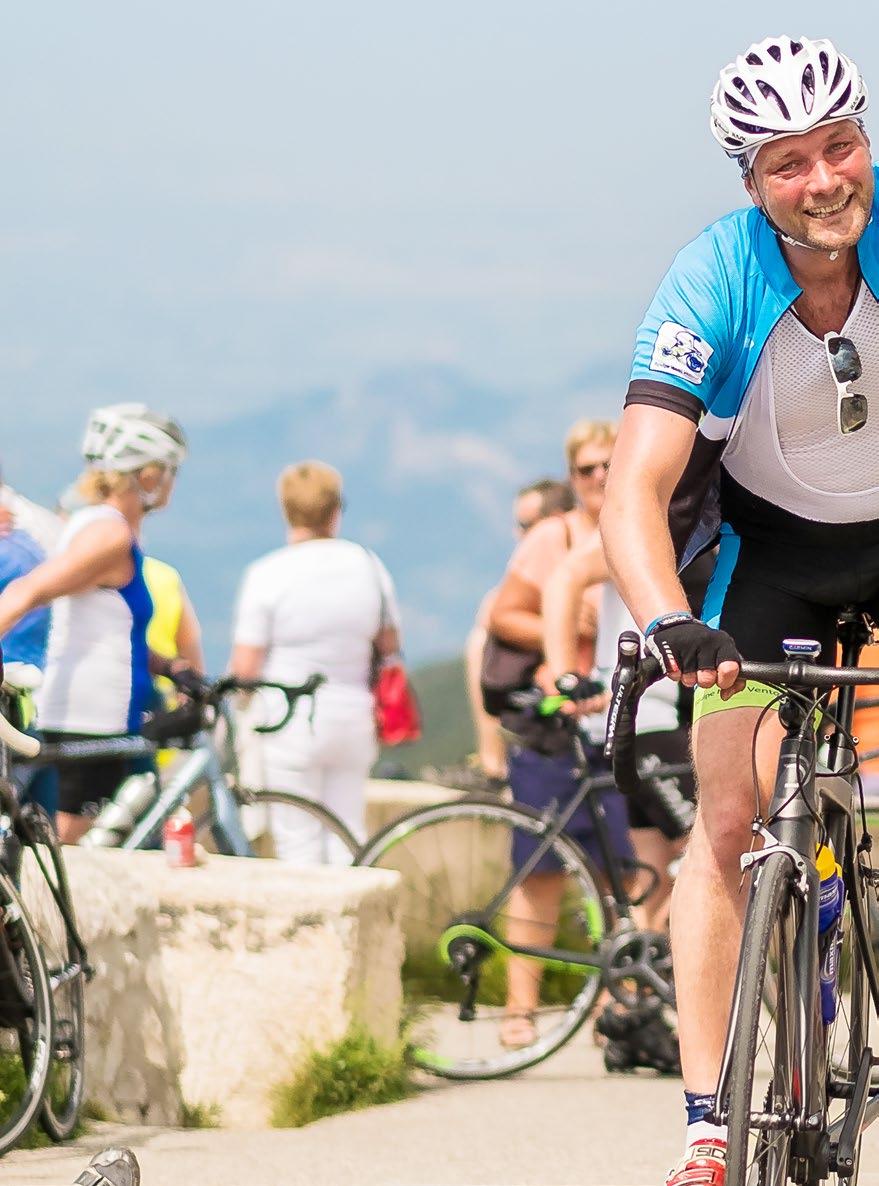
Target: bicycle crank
639, 961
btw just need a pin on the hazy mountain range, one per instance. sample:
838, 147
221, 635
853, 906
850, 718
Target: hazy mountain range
430, 459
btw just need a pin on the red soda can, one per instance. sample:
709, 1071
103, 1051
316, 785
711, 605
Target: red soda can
178, 837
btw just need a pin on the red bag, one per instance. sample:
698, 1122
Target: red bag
397, 716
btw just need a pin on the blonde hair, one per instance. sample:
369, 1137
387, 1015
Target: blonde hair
310, 492
97, 485
588, 432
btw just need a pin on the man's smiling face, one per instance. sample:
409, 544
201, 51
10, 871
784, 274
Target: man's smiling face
817, 187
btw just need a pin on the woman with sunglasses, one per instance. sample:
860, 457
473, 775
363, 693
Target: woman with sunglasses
541, 762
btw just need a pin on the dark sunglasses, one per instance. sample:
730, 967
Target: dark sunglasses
586, 471
845, 367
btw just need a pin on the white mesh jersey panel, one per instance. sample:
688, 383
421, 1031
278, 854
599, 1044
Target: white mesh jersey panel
787, 447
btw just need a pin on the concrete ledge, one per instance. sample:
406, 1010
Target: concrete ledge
213, 982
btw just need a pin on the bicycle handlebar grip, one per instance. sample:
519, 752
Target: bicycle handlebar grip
20, 743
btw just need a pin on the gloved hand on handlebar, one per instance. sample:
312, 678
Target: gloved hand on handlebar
685, 646
187, 680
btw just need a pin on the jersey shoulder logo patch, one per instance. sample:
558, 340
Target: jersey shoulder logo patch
680, 351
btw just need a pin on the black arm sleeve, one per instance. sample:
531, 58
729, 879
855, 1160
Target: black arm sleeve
664, 395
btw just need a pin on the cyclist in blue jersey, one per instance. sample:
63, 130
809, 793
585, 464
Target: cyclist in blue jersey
98, 668
26, 643
753, 415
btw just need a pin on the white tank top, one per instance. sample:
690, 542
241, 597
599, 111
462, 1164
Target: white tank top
787, 447
97, 679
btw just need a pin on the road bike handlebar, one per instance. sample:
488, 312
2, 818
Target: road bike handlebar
636, 673
18, 742
212, 693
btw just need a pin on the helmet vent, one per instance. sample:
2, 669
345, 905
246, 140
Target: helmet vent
825, 64
808, 88
774, 51
754, 60
796, 47
769, 92
741, 86
842, 100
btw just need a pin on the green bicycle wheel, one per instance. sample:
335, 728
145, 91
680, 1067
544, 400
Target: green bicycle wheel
475, 1009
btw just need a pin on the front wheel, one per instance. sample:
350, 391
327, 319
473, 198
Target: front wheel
47, 895
476, 1009
25, 1019
764, 1089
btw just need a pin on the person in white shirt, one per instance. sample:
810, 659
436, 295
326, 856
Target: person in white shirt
318, 605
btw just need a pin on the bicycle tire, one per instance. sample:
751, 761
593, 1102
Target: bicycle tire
25, 1019
327, 819
849, 1033
771, 920
42, 873
445, 1055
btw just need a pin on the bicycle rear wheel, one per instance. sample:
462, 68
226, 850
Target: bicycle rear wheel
467, 992
763, 1075
44, 889
25, 1019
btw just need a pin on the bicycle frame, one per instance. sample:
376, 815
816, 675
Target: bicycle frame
208, 763
802, 793
620, 900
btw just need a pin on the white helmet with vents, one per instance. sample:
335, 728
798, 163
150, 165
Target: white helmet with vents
126, 437
782, 87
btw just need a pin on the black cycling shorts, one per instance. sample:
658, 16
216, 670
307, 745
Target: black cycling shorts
669, 747
84, 785
778, 576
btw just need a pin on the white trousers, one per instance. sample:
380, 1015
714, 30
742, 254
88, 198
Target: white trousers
329, 760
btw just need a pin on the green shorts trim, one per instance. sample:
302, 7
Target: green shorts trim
754, 695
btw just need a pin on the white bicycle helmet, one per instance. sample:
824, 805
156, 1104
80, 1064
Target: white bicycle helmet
126, 437
781, 87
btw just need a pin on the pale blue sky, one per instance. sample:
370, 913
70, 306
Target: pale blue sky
205, 203
215, 206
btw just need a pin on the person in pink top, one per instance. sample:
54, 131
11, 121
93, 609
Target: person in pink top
541, 764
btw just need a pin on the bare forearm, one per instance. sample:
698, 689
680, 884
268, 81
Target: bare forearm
17, 599
640, 555
520, 627
561, 612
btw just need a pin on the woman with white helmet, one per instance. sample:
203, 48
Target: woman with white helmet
98, 668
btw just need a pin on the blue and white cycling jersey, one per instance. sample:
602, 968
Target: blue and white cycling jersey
698, 351
26, 641
97, 678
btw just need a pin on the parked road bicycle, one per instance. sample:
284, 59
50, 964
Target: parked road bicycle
43, 962
795, 1085
207, 779
459, 872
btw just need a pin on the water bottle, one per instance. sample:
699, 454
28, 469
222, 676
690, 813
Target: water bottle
117, 817
830, 901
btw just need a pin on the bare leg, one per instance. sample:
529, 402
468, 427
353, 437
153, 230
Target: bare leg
71, 827
533, 915
708, 903
653, 849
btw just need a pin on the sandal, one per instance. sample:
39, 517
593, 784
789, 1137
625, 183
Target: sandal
518, 1030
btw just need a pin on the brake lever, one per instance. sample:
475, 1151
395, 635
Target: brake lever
623, 684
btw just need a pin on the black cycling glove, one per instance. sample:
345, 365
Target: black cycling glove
189, 682
684, 645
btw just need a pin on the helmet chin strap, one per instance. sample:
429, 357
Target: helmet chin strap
789, 239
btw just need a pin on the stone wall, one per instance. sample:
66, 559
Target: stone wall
213, 982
